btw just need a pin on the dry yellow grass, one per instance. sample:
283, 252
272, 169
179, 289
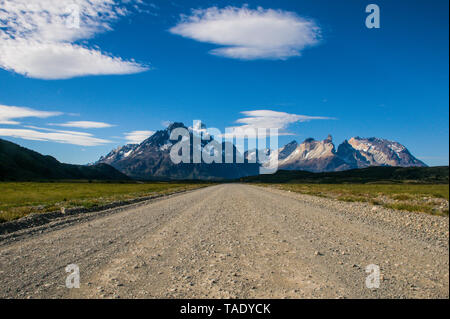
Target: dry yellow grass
427, 198
20, 199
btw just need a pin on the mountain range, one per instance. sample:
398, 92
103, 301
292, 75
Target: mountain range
357, 152
151, 158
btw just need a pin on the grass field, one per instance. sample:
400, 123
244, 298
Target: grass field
431, 199
20, 199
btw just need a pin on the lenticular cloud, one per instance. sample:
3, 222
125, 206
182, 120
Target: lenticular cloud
250, 34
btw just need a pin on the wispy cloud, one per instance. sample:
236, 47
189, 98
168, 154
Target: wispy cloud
83, 124
37, 38
250, 34
266, 119
137, 137
8, 114
65, 137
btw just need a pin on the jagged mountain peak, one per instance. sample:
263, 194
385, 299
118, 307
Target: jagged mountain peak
383, 152
151, 160
118, 153
175, 125
287, 150
309, 140
311, 154
328, 139
351, 156
357, 152
161, 137
151, 157
293, 142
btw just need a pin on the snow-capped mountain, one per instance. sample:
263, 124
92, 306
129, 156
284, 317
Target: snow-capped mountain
118, 153
287, 150
321, 156
377, 151
311, 155
252, 155
151, 160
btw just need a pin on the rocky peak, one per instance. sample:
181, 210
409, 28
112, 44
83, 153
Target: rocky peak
118, 153
151, 160
351, 156
162, 137
174, 126
287, 150
151, 157
312, 148
309, 140
329, 139
382, 152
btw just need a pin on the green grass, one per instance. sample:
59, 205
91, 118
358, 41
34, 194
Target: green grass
20, 199
426, 198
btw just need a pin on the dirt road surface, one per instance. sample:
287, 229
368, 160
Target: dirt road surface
233, 241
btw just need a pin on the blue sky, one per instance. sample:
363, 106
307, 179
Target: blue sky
145, 64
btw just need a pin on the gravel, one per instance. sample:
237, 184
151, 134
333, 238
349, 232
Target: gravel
233, 241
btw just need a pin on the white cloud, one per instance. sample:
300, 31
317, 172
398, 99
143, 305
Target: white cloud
9, 113
37, 38
267, 119
84, 124
250, 34
65, 137
51, 61
136, 137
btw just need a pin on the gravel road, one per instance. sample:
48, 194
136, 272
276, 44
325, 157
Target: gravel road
233, 241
